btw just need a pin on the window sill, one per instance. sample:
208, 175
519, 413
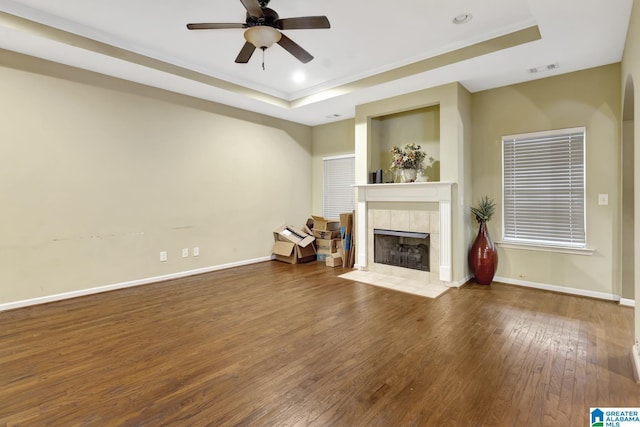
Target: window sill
546, 248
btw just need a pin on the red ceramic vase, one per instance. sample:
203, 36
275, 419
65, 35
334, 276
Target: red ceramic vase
483, 257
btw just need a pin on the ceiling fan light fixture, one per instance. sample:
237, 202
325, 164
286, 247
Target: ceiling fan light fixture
262, 36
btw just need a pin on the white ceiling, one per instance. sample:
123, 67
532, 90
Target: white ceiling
366, 38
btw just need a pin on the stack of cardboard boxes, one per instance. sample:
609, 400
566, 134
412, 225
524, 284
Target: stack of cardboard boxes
328, 241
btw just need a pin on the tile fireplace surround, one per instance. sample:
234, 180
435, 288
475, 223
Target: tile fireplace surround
418, 206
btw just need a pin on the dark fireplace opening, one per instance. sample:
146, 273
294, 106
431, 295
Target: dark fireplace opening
401, 249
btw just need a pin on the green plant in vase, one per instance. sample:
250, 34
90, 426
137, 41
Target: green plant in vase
485, 210
483, 256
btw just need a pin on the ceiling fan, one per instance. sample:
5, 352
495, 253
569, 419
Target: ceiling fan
262, 30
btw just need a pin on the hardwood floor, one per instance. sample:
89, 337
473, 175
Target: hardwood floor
273, 344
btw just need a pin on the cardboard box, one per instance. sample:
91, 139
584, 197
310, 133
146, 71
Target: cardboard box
305, 254
293, 254
290, 234
285, 252
308, 226
333, 260
327, 246
321, 224
346, 228
293, 246
319, 234
327, 243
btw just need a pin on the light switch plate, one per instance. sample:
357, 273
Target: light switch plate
603, 199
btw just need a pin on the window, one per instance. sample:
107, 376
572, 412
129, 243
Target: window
339, 177
544, 188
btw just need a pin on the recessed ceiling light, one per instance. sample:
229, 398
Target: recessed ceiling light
463, 18
299, 77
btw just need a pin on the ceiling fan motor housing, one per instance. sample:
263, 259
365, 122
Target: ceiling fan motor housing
270, 17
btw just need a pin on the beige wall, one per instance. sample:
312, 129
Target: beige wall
333, 139
631, 70
588, 98
97, 176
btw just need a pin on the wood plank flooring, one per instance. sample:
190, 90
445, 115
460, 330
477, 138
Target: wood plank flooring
273, 344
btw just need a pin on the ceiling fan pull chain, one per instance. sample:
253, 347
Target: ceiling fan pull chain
263, 49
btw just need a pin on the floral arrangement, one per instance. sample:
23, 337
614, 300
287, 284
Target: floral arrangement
409, 157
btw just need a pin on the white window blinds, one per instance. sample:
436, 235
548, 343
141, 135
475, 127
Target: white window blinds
339, 176
544, 188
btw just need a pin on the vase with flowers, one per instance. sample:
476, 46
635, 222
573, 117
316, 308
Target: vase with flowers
407, 160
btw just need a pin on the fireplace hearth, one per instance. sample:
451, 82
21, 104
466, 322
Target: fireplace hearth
401, 249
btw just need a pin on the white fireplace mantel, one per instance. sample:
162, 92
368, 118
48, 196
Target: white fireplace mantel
440, 192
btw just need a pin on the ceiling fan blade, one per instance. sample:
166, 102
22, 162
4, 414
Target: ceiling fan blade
303, 23
245, 53
213, 26
295, 49
253, 8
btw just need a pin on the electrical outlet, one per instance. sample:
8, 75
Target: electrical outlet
163, 256
196, 251
185, 252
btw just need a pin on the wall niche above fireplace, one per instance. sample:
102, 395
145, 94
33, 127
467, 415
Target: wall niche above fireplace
420, 126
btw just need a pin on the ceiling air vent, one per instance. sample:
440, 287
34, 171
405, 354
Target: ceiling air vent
543, 68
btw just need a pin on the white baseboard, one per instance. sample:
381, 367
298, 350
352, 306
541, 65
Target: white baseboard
627, 302
635, 361
459, 283
146, 281
561, 289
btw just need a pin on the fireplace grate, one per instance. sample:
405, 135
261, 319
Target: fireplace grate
401, 249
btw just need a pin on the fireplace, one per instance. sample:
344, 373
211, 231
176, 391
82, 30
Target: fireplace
419, 207
405, 249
